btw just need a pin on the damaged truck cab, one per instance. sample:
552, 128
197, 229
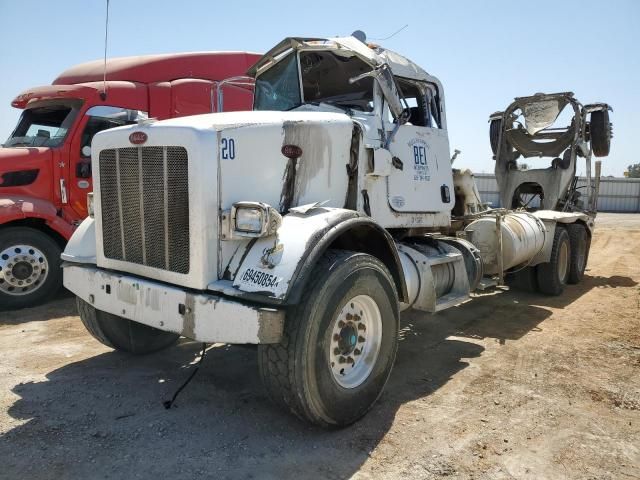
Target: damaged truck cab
304, 226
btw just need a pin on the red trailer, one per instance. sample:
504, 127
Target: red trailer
45, 165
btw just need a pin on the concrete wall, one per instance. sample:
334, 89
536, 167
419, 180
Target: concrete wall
616, 194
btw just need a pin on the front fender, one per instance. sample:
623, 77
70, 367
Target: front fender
14, 208
81, 247
278, 267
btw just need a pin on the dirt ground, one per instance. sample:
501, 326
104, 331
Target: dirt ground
510, 385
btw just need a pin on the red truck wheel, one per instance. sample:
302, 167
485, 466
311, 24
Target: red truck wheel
30, 270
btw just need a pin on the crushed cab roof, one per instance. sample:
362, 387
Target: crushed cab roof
374, 55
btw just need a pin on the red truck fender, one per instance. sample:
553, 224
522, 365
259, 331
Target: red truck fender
21, 208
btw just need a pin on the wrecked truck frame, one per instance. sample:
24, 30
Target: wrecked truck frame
270, 240
529, 128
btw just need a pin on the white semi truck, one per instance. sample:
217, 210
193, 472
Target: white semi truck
307, 225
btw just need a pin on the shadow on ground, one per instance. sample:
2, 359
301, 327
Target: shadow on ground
103, 416
62, 305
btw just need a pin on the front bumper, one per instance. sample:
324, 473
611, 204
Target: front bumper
202, 317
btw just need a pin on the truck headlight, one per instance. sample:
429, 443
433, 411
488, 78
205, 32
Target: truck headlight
249, 219
252, 219
90, 204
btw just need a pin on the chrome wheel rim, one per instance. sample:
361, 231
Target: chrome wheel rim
356, 336
23, 269
563, 261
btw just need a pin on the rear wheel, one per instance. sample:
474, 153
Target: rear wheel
123, 334
579, 252
339, 343
30, 270
494, 134
600, 133
553, 275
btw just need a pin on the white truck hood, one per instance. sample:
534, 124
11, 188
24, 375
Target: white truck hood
228, 158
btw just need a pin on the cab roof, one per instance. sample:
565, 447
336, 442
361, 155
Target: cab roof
158, 68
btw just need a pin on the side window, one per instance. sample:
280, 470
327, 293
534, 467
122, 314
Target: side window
414, 94
423, 101
95, 125
103, 118
433, 106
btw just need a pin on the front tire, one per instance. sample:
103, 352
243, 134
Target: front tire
123, 334
339, 343
30, 270
553, 275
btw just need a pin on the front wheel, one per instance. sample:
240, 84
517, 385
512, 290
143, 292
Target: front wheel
30, 270
123, 334
339, 343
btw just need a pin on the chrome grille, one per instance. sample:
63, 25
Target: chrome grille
144, 196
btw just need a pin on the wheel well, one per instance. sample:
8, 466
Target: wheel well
356, 233
367, 238
37, 224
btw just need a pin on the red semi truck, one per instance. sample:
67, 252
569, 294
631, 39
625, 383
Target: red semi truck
45, 165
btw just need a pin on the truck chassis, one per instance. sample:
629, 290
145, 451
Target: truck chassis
246, 227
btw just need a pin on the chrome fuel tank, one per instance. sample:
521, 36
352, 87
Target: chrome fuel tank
523, 237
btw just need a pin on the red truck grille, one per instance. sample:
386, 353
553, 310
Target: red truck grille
144, 198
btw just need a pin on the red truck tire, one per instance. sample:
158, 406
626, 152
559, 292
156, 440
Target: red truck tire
30, 270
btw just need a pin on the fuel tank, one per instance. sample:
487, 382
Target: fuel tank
523, 236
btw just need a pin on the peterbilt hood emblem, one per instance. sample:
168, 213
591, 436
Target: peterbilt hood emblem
138, 138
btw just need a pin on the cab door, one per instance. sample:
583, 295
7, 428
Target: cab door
421, 181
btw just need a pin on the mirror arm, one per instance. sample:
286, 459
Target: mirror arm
391, 135
357, 78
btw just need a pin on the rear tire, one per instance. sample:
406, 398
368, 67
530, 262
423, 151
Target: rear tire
494, 134
30, 271
600, 133
339, 343
123, 334
553, 275
580, 244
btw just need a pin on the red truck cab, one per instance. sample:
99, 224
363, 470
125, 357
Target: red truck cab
45, 165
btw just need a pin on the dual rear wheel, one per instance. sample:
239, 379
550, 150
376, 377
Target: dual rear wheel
569, 255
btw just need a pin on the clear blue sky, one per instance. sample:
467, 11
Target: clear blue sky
484, 52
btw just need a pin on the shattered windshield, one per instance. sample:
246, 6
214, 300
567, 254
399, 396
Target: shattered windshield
44, 124
325, 79
278, 88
